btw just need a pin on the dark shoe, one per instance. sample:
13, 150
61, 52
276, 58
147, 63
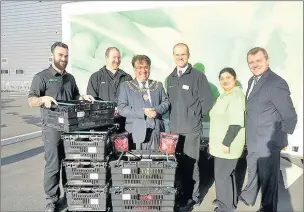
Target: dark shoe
62, 203
50, 207
187, 206
191, 203
244, 201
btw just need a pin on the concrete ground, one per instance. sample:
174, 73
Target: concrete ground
17, 117
22, 166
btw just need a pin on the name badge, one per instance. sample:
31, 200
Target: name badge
186, 87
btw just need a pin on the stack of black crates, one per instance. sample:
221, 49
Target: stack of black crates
100, 178
143, 181
87, 128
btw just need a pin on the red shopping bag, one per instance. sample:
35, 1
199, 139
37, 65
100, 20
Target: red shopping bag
168, 142
121, 142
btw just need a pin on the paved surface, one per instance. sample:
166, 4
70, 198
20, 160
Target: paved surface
17, 117
22, 181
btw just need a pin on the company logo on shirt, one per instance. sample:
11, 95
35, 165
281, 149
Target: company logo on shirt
52, 80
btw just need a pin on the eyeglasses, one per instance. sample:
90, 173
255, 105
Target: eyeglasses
142, 68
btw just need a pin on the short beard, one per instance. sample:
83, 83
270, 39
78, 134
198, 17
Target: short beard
59, 66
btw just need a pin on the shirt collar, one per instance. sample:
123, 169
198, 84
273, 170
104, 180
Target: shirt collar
259, 77
182, 69
54, 72
141, 85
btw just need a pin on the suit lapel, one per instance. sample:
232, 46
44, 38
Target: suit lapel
260, 83
153, 94
249, 86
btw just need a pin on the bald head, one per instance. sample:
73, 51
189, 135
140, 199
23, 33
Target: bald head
183, 45
181, 54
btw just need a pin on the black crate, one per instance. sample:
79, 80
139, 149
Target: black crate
142, 199
143, 173
102, 105
70, 125
147, 154
86, 198
82, 105
87, 145
69, 116
85, 172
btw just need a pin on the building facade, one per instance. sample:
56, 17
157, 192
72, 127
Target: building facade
28, 29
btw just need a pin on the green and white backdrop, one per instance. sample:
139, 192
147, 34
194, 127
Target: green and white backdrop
219, 34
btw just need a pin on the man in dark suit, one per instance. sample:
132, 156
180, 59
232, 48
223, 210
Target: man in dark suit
143, 102
270, 115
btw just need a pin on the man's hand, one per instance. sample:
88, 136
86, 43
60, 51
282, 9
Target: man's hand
47, 101
226, 149
150, 113
87, 98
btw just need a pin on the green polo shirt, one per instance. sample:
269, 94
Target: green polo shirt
229, 109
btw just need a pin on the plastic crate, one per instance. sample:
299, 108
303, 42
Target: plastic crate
85, 172
69, 116
70, 125
82, 105
143, 173
148, 154
87, 145
142, 199
102, 105
86, 198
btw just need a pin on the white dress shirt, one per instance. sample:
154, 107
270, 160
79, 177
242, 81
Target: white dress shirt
252, 85
181, 69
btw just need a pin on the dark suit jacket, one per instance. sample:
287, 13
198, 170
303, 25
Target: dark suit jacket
270, 114
131, 104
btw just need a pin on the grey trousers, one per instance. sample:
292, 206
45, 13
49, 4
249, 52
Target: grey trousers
263, 172
53, 155
187, 155
225, 185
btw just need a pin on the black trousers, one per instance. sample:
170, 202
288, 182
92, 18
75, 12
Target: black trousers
225, 185
122, 123
53, 155
187, 173
263, 172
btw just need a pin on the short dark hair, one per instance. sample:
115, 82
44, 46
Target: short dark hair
60, 44
255, 50
228, 70
141, 58
181, 44
109, 49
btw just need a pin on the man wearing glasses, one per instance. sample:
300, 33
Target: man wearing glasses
143, 102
